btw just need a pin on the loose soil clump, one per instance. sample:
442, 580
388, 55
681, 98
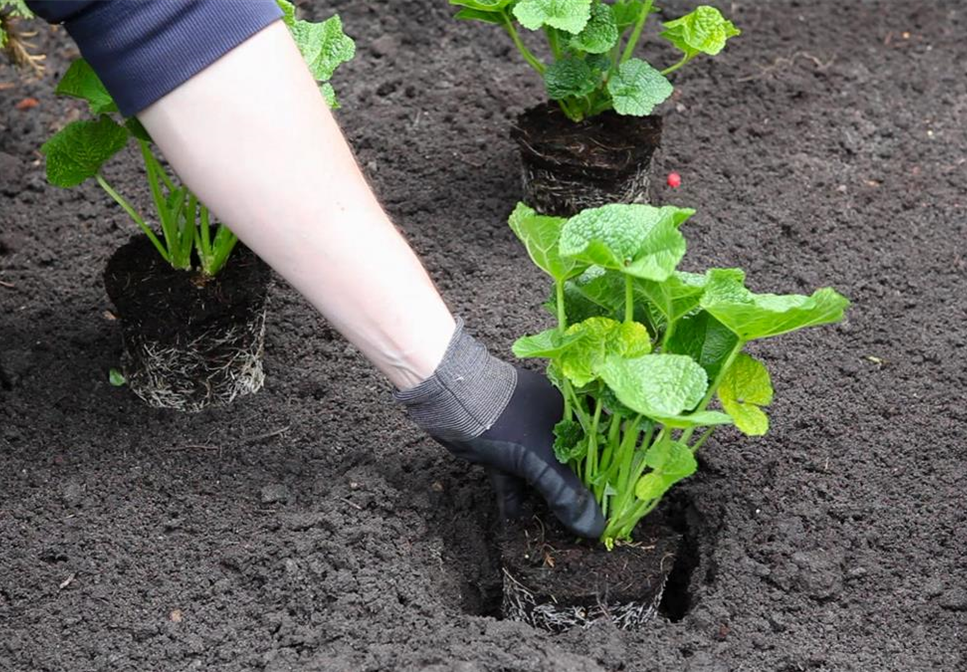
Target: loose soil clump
568, 166
190, 341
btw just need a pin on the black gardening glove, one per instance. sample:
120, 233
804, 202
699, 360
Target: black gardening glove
486, 411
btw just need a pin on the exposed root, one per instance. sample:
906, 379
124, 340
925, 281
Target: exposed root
521, 604
215, 368
21, 52
552, 192
782, 63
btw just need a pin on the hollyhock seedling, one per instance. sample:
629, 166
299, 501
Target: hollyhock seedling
79, 151
642, 350
591, 44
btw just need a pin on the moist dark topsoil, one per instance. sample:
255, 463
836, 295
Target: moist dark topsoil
174, 307
310, 527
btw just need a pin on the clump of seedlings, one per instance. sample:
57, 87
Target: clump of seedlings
193, 323
649, 359
594, 142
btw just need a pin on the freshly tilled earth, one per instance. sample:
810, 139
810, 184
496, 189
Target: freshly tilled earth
310, 527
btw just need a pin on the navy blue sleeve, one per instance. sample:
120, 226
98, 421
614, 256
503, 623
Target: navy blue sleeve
142, 49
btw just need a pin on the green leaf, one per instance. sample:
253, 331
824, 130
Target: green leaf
703, 31
577, 307
598, 339
661, 386
569, 78
478, 15
603, 287
116, 378
136, 129
288, 12
746, 387
704, 339
639, 240
675, 296
547, 344
324, 46
752, 316
637, 88
569, 441
78, 151
626, 13
601, 32
482, 5
329, 95
670, 462
80, 81
16, 8
541, 235
567, 15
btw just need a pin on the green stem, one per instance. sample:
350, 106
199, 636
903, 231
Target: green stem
702, 439
636, 35
591, 463
553, 42
629, 299
524, 51
133, 214
713, 388
672, 68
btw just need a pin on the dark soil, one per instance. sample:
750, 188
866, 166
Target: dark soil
538, 549
569, 166
310, 527
176, 307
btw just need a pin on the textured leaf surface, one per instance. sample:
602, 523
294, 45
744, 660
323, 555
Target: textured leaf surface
704, 339
702, 31
745, 388
637, 88
675, 296
541, 236
567, 15
569, 78
549, 343
324, 46
670, 462
752, 316
598, 339
658, 386
639, 240
569, 441
80, 81
601, 32
78, 151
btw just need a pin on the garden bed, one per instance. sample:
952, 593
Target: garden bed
310, 526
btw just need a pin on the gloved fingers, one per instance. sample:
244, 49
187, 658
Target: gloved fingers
510, 492
568, 499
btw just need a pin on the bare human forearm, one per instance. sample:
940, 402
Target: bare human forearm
253, 138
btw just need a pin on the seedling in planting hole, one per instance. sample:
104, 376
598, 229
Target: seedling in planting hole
79, 151
591, 44
641, 350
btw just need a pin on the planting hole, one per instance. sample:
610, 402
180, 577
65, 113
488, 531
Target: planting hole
697, 540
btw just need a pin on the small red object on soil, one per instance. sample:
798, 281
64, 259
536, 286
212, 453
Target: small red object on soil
674, 180
27, 104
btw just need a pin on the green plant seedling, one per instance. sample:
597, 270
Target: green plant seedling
591, 46
642, 350
79, 151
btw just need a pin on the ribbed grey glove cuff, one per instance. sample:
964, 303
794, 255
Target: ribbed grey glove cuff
465, 395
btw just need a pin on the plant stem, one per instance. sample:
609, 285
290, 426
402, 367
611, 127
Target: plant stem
132, 213
629, 299
553, 41
702, 439
713, 388
524, 51
591, 463
636, 35
672, 68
